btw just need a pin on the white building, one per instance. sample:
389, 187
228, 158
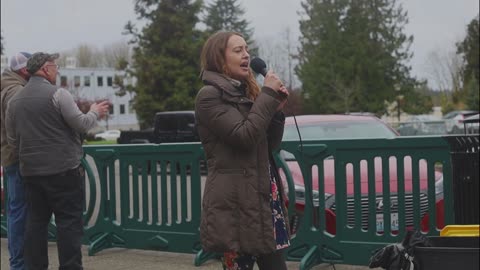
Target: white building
94, 84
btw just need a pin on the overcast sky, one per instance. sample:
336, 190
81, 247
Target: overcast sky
60, 25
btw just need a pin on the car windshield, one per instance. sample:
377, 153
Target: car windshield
338, 129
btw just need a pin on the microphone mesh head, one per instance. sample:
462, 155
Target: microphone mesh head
259, 66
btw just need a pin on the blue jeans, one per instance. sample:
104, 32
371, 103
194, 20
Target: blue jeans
16, 216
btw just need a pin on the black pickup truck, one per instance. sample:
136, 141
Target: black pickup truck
169, 127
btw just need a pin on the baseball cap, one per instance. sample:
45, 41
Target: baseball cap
38, 59
19, 60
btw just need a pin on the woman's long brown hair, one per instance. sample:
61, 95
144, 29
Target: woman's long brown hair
213, 59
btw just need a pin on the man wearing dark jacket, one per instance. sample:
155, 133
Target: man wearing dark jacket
13, 79
46, 128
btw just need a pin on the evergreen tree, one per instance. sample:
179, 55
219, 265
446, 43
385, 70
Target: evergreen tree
165, 57
353, 55
472, 98
226, 15
420, 99
469, 49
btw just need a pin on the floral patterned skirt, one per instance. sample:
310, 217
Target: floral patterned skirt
278, 218
237, 261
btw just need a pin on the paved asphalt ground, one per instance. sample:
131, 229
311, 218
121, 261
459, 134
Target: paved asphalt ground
123, 259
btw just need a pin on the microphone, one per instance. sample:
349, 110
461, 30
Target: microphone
259, 66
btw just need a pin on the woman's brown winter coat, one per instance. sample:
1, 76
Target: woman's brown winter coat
238, 135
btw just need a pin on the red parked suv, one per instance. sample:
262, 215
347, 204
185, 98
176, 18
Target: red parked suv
324, 127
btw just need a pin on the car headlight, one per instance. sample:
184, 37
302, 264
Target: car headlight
439, 186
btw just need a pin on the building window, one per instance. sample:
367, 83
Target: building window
86, 80
130, 108
99, 81
63, 81
122, 108
76, 81
110, 109
109, 81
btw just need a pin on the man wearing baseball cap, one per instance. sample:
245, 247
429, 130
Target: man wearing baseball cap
13, 79
46, 128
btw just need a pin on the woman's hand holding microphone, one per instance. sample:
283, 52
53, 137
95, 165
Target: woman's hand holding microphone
273, 81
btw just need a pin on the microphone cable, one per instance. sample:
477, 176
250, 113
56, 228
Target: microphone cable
298, 131
260, 67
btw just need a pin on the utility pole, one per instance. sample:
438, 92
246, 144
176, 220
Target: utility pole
397, 88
